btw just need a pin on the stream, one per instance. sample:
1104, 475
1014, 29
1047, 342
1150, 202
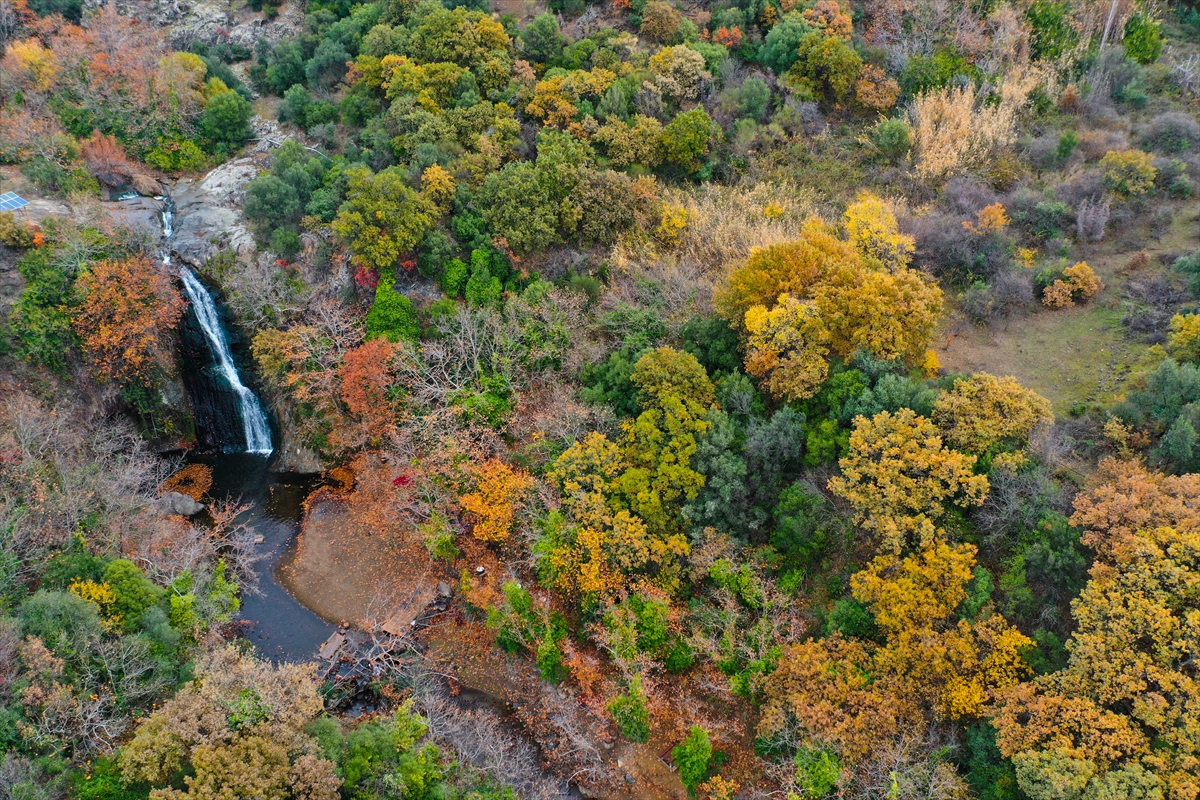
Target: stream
235, 437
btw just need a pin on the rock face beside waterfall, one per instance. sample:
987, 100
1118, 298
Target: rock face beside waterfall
292, 456
209, 213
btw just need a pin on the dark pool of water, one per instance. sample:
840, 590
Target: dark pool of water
283, 629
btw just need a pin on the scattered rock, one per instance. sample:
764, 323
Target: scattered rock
267, 132
175, 503
444, 590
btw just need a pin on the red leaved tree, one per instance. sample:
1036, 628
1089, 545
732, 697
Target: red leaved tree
369, 390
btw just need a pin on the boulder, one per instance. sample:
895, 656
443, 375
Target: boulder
174, 503
145, 185
40, 207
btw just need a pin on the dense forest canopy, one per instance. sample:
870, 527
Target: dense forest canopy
786, 398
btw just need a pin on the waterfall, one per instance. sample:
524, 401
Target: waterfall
256, 428
168, 219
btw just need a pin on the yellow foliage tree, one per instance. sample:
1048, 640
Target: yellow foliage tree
623, 500
787, 348
438, 185
493, 506
1078, 284
33, 65
1183, 342
890, 314
989, 219
900, 479
951, 664
858, 696
239, 731
983, 412
1122, 719
665, 373
794, 268
874, 232
102, 596
1129, 172
593, 550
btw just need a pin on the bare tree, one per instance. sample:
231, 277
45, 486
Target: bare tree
1092, 218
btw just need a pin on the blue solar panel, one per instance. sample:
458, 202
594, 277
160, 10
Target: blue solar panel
10, 201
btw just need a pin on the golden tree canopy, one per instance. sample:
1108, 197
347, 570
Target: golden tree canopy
795, 268
874, 232
858, 696
788, 348
984, 411
901, 479
890, 314
1126, 708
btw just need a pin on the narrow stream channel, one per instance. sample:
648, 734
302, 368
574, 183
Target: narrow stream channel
283, 628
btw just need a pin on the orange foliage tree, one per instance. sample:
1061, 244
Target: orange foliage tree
370, 392
1128, 498
494, 504
129, 309
106, 159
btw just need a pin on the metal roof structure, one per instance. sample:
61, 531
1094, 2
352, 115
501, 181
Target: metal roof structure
11, 201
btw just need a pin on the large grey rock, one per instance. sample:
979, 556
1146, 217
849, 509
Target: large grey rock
138, 212
198, 22
40, 207
179, 504
208, 214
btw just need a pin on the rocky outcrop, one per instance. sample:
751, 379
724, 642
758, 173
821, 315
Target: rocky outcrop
209, 213
286, 25
137, 212
212, 21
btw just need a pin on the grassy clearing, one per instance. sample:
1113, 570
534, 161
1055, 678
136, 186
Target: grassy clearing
1075, 355
1079, 355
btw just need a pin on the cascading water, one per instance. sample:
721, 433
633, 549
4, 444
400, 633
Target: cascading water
256, 427
231, 394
